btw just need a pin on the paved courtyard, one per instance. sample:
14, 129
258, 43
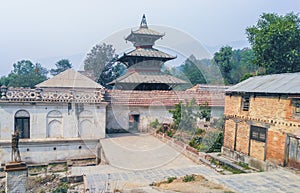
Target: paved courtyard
138, 160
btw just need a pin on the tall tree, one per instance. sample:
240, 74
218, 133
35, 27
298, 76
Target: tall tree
99, 60
224, 59
192, 70
61, 66
275, 41
25, 74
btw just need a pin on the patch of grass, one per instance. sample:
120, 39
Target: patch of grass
234, 171
171, 179
188, 178
243, 165
62, 188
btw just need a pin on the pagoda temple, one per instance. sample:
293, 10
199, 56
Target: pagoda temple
144, 63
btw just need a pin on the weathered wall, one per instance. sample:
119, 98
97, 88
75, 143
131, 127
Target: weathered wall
71, 123
55, 131
272, 112
118, 116
40, 151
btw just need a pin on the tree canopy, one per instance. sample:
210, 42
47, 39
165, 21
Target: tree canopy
61, 66
101, 62
25, 74
235, 65
275, 42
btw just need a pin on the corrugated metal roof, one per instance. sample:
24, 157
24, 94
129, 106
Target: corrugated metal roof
149, 52
287, 83
148, 77
69, 79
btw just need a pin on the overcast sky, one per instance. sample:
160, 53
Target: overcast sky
45, 31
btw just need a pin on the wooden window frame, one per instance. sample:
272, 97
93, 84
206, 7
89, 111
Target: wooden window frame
296, 105
246, 103
258, 133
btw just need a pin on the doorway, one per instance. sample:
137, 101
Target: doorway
134, 122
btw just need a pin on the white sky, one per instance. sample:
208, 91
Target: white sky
42, 30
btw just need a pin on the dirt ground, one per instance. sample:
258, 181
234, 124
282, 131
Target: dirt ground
199, 185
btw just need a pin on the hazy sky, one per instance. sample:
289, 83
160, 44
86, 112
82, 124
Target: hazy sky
45, 31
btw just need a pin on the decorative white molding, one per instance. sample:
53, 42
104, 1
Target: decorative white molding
36, 95
22, 113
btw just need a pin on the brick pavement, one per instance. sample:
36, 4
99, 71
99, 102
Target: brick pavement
122, 174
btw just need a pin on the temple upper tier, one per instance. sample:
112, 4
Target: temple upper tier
144, 63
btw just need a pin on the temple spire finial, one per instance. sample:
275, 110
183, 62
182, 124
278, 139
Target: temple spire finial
144, 22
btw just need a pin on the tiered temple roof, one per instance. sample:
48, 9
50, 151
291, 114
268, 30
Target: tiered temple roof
144, 63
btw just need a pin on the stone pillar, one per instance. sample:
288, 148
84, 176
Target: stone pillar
16, 177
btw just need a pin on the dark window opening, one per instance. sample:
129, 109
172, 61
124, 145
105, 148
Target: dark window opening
246, 103
258, 133
22, 124
297, 107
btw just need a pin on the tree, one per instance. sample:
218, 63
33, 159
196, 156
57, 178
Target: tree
25, 74
111, 71
192, 71
275, 41
185, 115
101, 62
61, 66
224, 60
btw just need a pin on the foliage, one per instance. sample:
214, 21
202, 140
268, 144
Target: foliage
275, 41
234, 64
111, 72
196, 142
25, 74
188, 178
101, 61
61, 66
244, 165
219, 123
204, 111
193, 72
199, 131
185, 115
224, 60
62, 188
154, 124
212, 141
171, 179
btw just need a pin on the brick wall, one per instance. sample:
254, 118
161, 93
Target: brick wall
276, 147
274, 113
229, 133
257, 149
242, 140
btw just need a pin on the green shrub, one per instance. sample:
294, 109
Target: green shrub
199, 131
154, 124
171, 179
188, 178
62, 188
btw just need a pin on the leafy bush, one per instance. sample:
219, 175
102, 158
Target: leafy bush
171, 179
188, 178
154, 124
62, 188
199, 131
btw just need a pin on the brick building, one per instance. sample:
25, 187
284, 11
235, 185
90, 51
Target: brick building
262, 124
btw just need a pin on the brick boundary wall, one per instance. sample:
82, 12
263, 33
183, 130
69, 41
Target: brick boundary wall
188, 151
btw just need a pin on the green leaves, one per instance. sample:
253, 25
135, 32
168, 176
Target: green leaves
25, 74
275, 41
61, 66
